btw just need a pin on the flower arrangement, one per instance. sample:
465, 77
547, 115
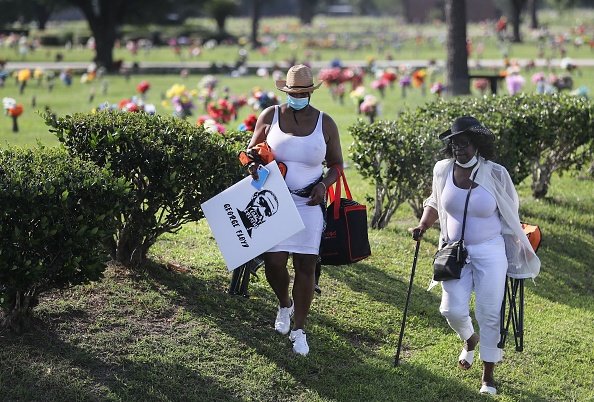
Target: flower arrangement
390, 75
331, 76
38, 75
208, 82
221, 111
14, 110
418, 77
437, 88
404, 82
514, 82
210, 125
23, 76
238, 102
260, 99
481, 84
133, 104
66, 77
143, 87
369, 107
357, 95
249, 123
380, 84
181, 100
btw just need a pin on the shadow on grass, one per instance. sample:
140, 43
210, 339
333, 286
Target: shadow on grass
335, 369
79, 360
566, 253
391, 290
65, 372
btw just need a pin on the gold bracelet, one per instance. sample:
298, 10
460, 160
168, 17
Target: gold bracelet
323, 184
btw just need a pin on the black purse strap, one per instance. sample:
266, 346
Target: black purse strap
466, 205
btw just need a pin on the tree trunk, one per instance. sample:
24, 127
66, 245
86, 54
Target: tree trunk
256, 13
517, 6
406, 11
541, 178
18, 316
131, 251
42, 14
306, 11
458, 82
221, 21
104, 42
103, 18
533, 5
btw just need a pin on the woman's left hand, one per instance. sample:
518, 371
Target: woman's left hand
318, 194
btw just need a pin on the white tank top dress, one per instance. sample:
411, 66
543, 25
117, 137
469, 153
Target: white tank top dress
304, 157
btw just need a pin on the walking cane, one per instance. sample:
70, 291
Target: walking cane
410, 283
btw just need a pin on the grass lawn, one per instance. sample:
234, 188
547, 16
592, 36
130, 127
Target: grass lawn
327, 38
176, 335
63, 99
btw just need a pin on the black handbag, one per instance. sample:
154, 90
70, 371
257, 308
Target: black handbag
345, 240
449, 260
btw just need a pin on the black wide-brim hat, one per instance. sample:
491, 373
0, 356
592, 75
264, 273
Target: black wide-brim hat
466, 124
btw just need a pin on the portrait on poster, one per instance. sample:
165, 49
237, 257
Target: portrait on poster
246, 221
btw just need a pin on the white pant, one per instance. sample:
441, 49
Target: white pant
485, 274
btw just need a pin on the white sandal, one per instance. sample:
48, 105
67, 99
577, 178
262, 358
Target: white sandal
486, 389
468, 357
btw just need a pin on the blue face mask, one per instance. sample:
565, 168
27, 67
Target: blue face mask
297, 103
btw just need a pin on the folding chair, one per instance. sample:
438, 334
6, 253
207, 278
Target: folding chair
514, 296
515, 313
240, 279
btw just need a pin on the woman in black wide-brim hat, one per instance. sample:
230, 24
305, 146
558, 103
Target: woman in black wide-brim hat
493, 237
303, 138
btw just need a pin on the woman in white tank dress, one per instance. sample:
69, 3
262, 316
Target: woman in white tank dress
303, 138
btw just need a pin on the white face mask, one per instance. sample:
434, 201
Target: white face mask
470, 163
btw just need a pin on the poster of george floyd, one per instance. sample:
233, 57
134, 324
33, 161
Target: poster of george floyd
246, 221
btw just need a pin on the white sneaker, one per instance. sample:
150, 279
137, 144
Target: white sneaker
282, 324
299, 340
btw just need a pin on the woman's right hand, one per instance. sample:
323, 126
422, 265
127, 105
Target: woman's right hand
417, 232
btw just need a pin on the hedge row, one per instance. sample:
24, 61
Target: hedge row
171, 165
119, 181
55, 214
536, 136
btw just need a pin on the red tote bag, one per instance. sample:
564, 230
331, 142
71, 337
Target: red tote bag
345, 239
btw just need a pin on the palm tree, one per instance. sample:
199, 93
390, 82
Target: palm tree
457, 79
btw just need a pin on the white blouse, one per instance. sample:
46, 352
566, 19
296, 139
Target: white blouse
521, 259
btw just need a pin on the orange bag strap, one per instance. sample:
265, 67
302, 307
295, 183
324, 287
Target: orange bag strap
335, 195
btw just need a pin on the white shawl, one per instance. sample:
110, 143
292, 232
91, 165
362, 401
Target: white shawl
522, 262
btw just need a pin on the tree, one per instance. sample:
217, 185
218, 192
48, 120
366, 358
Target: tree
516, 19
220, 10
533, 7
106, 16
307, 10
457, 54
255, 14
28, 11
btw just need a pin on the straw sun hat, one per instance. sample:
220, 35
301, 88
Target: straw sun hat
299, 80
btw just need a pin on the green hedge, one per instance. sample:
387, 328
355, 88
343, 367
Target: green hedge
55, 213
171, 165
536, 136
